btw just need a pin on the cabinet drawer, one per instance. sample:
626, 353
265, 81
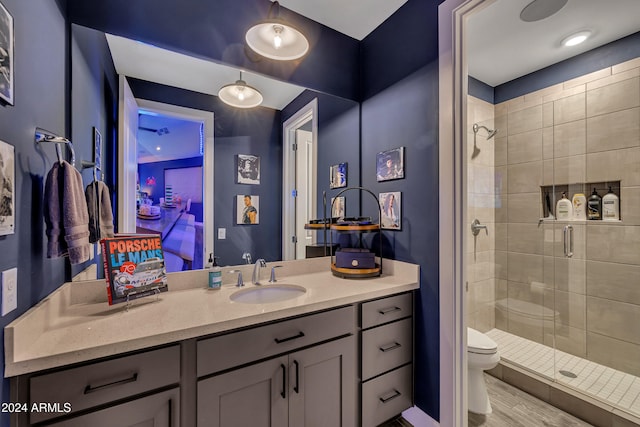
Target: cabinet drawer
386, 347
386, 310
237, 348
386, 396
102, 382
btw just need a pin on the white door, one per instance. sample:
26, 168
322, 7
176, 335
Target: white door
305, 188
127, 157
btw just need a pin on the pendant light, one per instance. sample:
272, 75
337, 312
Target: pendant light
274, 38
240, 94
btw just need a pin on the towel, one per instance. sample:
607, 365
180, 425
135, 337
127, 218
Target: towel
65, 214
99, 207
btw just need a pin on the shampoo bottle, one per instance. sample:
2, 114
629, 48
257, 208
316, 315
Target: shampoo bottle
579, 206
594, 206
215, 273
610, 206
564, 211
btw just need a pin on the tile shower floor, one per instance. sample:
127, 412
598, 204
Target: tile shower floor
610, 385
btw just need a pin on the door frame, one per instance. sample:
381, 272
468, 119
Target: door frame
306, 113
207, 118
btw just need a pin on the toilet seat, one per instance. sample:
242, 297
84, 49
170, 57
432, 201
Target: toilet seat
479, 343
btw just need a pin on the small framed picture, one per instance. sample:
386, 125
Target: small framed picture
7, 189
248, 209
248, 167
97, 148
390, 164
390, 205
338, 174
6, 55
337, 207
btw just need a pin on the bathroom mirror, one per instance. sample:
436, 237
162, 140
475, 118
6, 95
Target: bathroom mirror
237, 133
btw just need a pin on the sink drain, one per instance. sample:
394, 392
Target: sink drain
568, 374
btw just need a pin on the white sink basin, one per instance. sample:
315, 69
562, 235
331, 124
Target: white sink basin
267, 293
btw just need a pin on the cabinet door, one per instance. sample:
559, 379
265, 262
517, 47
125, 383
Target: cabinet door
322, 385
255, 396
156, 410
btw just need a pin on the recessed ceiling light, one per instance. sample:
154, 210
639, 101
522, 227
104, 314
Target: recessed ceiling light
158, 148
576, 39
538, 10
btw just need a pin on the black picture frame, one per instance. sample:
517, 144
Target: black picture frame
390, 164
6, 56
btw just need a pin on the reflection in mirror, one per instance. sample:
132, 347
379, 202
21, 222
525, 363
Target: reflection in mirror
257, 132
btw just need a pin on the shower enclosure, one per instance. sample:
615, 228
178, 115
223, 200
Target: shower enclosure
561, 298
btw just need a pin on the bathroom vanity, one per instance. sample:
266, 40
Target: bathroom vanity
341, 351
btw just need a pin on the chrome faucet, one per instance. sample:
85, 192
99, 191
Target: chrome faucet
256, 270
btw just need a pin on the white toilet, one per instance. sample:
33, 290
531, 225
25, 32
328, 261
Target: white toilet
482, 354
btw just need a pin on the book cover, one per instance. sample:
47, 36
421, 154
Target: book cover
133, 266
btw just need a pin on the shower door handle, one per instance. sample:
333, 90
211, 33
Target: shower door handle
568, 240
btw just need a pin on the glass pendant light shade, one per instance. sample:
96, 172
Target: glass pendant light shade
276, 39
240, 94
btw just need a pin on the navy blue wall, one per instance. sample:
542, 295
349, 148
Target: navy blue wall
215, 30
400, 109
156, 170
41, 98
255, 131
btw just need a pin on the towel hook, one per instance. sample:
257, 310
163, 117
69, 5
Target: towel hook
43, 135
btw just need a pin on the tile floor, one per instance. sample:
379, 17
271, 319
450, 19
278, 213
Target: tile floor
611, 386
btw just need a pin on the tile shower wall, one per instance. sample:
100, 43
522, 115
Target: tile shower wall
481, 202
583, 130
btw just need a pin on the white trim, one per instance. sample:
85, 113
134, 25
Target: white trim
207, 118
127, 152
306, 113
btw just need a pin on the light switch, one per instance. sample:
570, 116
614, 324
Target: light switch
9, 290
222, 233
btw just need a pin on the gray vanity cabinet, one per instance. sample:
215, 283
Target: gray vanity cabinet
315, 386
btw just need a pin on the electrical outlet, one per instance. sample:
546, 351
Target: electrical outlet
222, 233
9, 290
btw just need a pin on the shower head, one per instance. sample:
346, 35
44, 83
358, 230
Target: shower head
491, 132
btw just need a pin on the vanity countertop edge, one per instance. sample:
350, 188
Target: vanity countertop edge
75, 323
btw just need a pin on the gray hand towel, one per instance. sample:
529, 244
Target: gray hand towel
99, 207
66, 216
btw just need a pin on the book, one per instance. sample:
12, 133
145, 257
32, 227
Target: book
134, 266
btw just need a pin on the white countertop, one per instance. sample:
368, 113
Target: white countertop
76, 324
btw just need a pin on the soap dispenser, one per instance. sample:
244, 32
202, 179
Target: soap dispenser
564, 210
610, 206
594, 206
215, 273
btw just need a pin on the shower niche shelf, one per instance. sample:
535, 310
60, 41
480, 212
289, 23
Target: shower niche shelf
550, 194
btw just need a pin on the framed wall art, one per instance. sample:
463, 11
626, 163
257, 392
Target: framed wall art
390, 205
7, 189
390, 164
6, 55
337, 207
248, 167
338, 175
248, 208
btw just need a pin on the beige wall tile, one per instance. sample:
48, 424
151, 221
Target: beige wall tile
571, 340
481, 267
500, 111
525, 147
479, 153
525, 120
485, 318
483, 292
569, 139
570, 275
571, 308
547, 173
502, 264
630, 209
587, 78
614, 97
549, 90
614, 131
501, 235
569, 109
526, 239
625, 66
614, 281
525, 268
524, 207
613, 243
532, 325
564, 93
618, 165
501, 123
481, 179
614, 319
524, 102
547, 114
525, 177
614, 78
547, 143
500, 151
482, 207
615, 353
501, 210
569, 170
579, 240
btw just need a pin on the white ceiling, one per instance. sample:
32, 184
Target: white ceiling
501, 47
